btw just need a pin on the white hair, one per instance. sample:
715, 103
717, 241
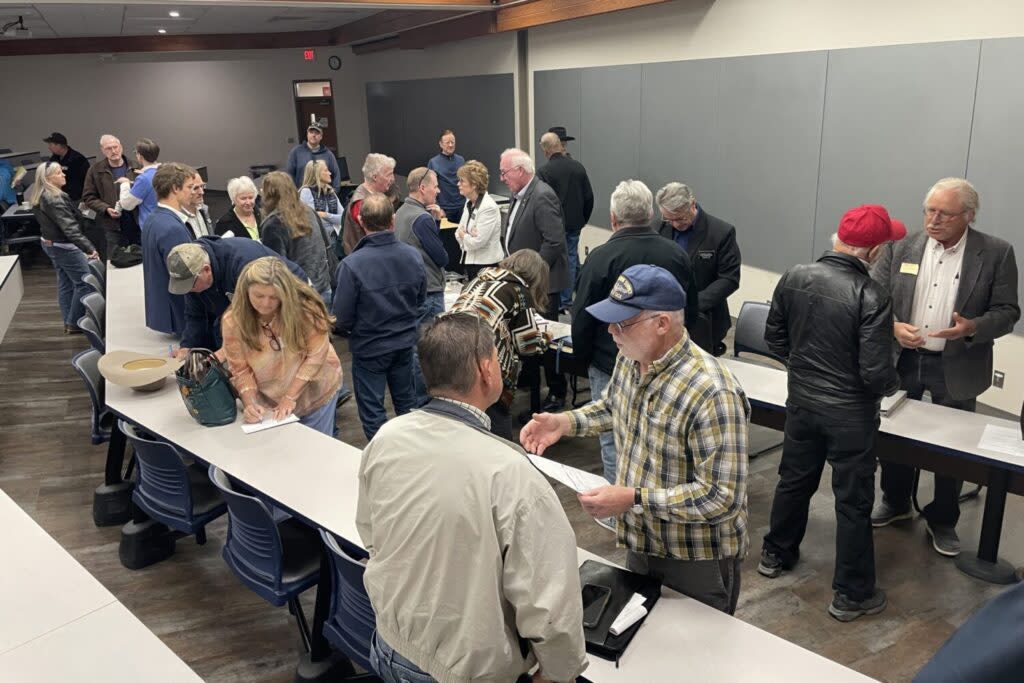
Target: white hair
968, 195
675, 197
632, 203
112, 137
240, 185
376, 163
519, 159
859, 252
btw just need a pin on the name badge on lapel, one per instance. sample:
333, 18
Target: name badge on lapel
706, 255
909, 268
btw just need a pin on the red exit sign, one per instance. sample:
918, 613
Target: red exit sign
308, 55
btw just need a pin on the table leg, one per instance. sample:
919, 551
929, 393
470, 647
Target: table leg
985, 564
111, 502
321, 663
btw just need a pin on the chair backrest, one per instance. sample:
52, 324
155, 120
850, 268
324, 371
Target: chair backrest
163, 482
96, 305
750, 327
351, 621
86, 364
253, 546
95, 283
343, 174
99, 270
92, 333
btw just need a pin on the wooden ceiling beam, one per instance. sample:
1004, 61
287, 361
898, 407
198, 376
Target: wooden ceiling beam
167, 43
542, 12
388, 23
469, 26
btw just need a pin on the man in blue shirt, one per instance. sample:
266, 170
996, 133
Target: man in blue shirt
141, 193
313, 150
381, 286
446, 165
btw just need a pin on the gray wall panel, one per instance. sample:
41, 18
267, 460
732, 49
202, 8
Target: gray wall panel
556, 102
609, 131
770, 110
483, 129
896, 120
997, 145
679, 135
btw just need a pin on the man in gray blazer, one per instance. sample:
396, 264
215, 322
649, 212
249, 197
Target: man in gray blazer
954, 291
535, 222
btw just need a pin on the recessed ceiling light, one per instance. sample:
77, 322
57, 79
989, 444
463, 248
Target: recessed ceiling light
174, 13
161, 30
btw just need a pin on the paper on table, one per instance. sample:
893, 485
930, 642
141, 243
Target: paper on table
268, 422
1002, 440
578, 480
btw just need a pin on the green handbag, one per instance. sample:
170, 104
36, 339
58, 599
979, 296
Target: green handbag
205, 386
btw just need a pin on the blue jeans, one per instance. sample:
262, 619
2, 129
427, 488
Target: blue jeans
432, 306
71, 266
371, 376
572, 245
322, 419
392, 667
598, 381
328, 296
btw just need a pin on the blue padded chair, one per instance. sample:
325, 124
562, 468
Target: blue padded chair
351, 621
275, 560
100, 271
86, 365
749, 338
94, 283
88, 327
171, 491
96, 308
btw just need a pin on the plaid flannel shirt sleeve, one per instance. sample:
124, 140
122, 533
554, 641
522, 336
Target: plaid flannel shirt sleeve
718, 441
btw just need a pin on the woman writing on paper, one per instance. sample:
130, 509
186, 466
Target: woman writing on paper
479, 232
278, 347
506, 298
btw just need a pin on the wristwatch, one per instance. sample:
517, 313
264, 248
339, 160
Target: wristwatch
638, 507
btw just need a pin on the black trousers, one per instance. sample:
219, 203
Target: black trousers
919, 373
811, 440
556, 380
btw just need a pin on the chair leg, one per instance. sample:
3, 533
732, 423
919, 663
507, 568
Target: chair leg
295, 607
131, 467
201, 535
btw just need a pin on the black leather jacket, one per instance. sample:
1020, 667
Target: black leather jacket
833, 325
60, 221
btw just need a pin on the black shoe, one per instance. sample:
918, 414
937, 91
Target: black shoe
344, 396
844, 609
719, 349
552, 404
770, 565
886, 513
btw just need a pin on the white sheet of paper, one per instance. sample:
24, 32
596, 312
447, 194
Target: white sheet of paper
229, 233
578, 480
1002, 440
267, 423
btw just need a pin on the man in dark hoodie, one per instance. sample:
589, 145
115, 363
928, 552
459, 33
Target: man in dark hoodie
313, 150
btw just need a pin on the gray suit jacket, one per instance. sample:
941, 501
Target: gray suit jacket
539, 226
987, 294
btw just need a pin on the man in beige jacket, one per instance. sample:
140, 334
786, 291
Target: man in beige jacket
473, 571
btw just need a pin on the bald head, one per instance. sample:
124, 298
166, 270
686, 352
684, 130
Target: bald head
550, 144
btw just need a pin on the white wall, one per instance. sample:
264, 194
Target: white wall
701, 29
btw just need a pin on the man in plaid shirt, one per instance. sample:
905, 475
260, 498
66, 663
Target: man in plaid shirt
680, 424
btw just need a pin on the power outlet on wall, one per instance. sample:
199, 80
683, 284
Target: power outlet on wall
997, 379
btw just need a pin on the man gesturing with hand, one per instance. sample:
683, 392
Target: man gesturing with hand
679, 420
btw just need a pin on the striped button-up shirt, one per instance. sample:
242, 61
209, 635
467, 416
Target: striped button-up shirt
681, 434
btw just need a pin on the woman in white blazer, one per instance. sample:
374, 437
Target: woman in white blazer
479, 232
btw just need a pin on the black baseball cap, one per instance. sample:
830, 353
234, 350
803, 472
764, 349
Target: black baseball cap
56, 138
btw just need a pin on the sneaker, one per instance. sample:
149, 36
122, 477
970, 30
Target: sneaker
944, 539
886, 513
344, 396
770, 565
607, 523
553, 404
844, 609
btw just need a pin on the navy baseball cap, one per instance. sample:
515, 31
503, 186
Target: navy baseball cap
640, 288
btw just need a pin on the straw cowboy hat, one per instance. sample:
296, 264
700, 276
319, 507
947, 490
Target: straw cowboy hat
140, 371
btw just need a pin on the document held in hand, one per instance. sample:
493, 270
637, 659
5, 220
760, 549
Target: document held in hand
578, 480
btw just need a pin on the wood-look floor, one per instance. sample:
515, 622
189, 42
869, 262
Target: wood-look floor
226, 633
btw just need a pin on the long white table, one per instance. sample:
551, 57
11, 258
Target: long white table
316, 478
12, 288
930, 436
59, 623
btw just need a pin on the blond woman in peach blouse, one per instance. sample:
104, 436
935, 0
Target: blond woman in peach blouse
278, 347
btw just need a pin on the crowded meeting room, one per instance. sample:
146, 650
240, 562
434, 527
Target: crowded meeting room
508, 341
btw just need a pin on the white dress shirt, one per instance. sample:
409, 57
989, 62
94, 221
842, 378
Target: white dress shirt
938, 281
